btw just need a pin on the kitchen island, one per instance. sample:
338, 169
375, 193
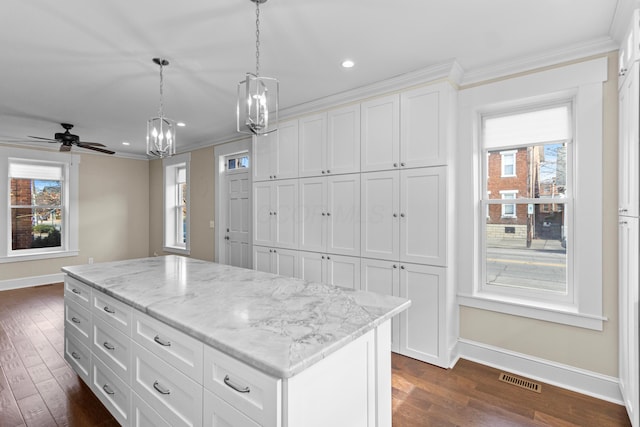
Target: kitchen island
177, 341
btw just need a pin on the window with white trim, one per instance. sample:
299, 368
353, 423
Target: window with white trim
40, 199
508, 210
176, 204
508, 163
567, 199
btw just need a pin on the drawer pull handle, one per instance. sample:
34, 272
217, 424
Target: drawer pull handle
107, 389
75, 320
109, 309
239, 389
160, 389
161, 341
75, 291
75, 355
108, 346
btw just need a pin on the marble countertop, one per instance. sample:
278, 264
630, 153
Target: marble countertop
276, 324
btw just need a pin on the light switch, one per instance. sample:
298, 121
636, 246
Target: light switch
211, 224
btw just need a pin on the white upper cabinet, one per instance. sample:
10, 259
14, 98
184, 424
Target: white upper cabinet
630, 48
380, 216
275, 213
422, 128
380, 133
313, 211
423, 213
275, 156
629, 145
330, 142
312, 131
343, 140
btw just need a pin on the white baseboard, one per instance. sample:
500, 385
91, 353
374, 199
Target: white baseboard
571, 378
28, 282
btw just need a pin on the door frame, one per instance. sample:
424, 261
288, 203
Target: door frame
220, 152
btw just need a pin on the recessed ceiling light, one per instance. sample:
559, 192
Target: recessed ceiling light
126, 143
347, 63
181, 124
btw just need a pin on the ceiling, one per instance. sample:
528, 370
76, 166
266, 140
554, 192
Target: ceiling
90, 62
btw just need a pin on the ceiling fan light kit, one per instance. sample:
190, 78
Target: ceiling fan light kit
161, 131
257, 105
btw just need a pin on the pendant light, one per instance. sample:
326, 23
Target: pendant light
161, 131
257, 106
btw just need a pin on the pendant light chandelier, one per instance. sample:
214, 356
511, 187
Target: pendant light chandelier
257, 107
161, 131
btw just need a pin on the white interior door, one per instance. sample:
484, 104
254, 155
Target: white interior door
238, 216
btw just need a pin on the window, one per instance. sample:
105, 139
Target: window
41, 205
176, 204
559, 196
508, 162
523, 249
237, 162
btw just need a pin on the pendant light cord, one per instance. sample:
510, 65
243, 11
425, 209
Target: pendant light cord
161, 108
257, 38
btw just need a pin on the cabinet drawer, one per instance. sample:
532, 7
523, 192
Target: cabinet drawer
113, 348
77, 320
143, 416
78, 356
218, 413
169, 344
176, 397
77, 292
247, 389
112, 311
111, 390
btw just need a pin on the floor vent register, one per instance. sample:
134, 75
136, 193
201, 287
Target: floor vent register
520, 382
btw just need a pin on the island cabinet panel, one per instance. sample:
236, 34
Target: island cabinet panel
176, 397
169, 344
111, 311
218, 413
255, 394
78, 292
113, 348
142, 415
77, 320
78, 356
113, 392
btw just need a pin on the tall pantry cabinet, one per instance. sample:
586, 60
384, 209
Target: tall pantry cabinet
629, 211
372, 207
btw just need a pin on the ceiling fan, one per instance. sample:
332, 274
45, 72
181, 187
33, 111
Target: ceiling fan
68, 139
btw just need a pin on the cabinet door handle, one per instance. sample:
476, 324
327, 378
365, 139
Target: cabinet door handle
328, 257
328, 213
395, 165
108, 346
328, 171
622, 72
622, 210
322, 172
395, 266
75, 291
402, 267
402, 164
161, 389
237, 388
623, 222
323, 214
75, 320
161, 341
75, 355
107, 389
109, 309
401, 215
395, 215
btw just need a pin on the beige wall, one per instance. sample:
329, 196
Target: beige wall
113, 212
582, 348
201, 192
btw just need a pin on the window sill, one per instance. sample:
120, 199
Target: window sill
35, 257
556, 313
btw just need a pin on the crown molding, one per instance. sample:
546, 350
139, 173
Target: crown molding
570, 53
620, 21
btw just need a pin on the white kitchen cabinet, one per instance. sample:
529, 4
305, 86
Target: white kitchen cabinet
380, 133
275, 156
404, 215
629, 144
630, 49
423, 126
338, 270
383, 277
275, 213
419, 332
330, 214
330, 142
113, 392
275, 260
629, 354
423, 325
78, 356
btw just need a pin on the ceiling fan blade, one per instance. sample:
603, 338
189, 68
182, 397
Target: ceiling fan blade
95, 144
91, 147
44, 139
65, 147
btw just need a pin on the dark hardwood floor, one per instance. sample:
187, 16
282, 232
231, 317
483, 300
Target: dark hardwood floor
38, 388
